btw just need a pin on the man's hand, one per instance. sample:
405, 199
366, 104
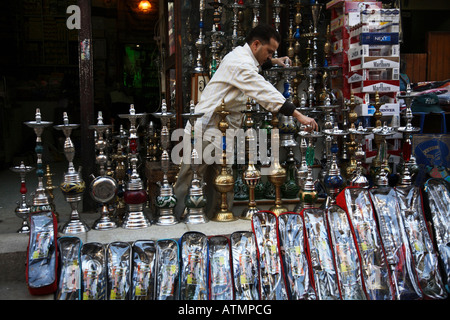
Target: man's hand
281, 61
310, 123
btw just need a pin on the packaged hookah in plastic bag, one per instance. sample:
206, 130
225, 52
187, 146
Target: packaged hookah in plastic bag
194, 266
297, 268
167, 270
346, 253
94, 271
220, 271
271, 273
245, 265
438, 206
69, 284
42, 250
143, 270
395, 240
357, 203
119, 270
321, 254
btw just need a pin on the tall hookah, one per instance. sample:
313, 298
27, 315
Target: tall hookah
224, 181
23, 209
407, 130
103, 188
166, 199
41, 200
195, 199
135, 195
73, 185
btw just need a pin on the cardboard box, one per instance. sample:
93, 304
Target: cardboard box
387, 109
357, 51
375, 86
374, 63
373, 75
375, 38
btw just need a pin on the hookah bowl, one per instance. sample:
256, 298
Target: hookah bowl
40, 199
23, 210
103, 188
166, 199
73, 185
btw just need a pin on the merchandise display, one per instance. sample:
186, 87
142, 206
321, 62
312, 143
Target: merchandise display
298, 212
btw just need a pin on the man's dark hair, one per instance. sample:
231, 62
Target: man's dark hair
263, 33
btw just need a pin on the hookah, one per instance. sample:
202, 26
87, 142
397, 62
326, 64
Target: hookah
40, 199
120, 173
166, 200
195, 200
103, 188
308, 195
315, 10
251, 176
200, 43
23, 210
216, 44
407, 131
276, 5
351, 143
135, 196
237, 34
49, 187
358, 179
73, 185
298, 21
380, 133
333, 180
277, 174
224, 181
256, 6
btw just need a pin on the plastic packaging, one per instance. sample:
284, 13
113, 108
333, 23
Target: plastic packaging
69, 284
221, 277
167, 270
93, 265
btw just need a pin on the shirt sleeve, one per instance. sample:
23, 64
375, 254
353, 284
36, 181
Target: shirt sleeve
251, 83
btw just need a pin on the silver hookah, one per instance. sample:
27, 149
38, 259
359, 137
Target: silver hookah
315, 10
333, 180
407, 130
23, 209
166, 200
358, 178
195, 200
40, 201
256, 7
200, 43
216, 44
135, 195
327, 110
236, 37
276, 5
73, 185
103, 188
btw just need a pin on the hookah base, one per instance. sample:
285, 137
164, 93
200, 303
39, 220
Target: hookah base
225, 216
135, 221
248, 213
195, 216
277, 210
104, 223
166, 220
74, 227
25, 227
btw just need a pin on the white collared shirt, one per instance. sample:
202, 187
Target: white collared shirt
236, 80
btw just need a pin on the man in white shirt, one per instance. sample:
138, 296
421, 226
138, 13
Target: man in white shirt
237, 79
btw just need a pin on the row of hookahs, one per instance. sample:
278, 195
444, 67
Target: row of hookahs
377, 244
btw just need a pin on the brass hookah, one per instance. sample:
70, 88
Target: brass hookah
120, 173
277, 174
224, 181
351, 143
166, 200
40, 201
251, 175
73, 185
23, 209
380, 133
49, 187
